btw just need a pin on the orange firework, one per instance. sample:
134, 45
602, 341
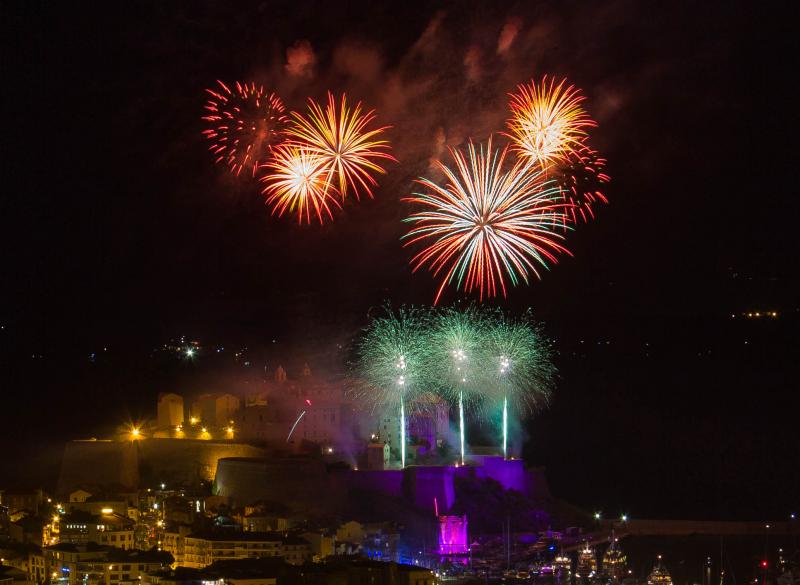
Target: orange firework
348, 151
296, 180
548, 121
244, 124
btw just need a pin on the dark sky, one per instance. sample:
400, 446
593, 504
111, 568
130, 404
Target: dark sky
120, 232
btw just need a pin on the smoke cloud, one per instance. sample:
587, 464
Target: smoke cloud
300, 60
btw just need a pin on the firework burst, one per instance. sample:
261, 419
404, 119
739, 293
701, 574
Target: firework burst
296, 180
548, 121
338, 135
581, 178
455, 359
391, 364
243, 124
486, 224
517, 366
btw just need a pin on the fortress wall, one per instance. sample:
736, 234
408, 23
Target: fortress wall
388, 481
303, 485
98, 463
510, 473
134, 463
306, 485
187, 460
432, 482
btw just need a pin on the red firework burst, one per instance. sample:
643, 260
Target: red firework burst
244, 124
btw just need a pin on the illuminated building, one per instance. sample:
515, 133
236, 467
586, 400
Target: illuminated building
170, 410
106, 529
427, 425
203, 549
378, 455
17, 501
453, 535
259, 422
216, 409
322, 544
173, 541
614, 561
71, 564
79, 495
659, 575
587, 563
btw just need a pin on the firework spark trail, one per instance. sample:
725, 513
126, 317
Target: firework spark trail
295, 179
581, 178
243, 125
295, 425
349, 152
487, 223
548, 121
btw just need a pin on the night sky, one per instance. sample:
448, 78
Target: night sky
120, 233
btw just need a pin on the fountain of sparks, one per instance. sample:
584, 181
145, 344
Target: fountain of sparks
401, 381
504, 365
459, 357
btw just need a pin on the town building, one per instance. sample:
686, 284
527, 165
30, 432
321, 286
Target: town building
22, 500
215, 410
203, 549
107, 528
90, 564
170, 410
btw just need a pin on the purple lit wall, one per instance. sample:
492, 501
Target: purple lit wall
432, 482
510, 473
453, 535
